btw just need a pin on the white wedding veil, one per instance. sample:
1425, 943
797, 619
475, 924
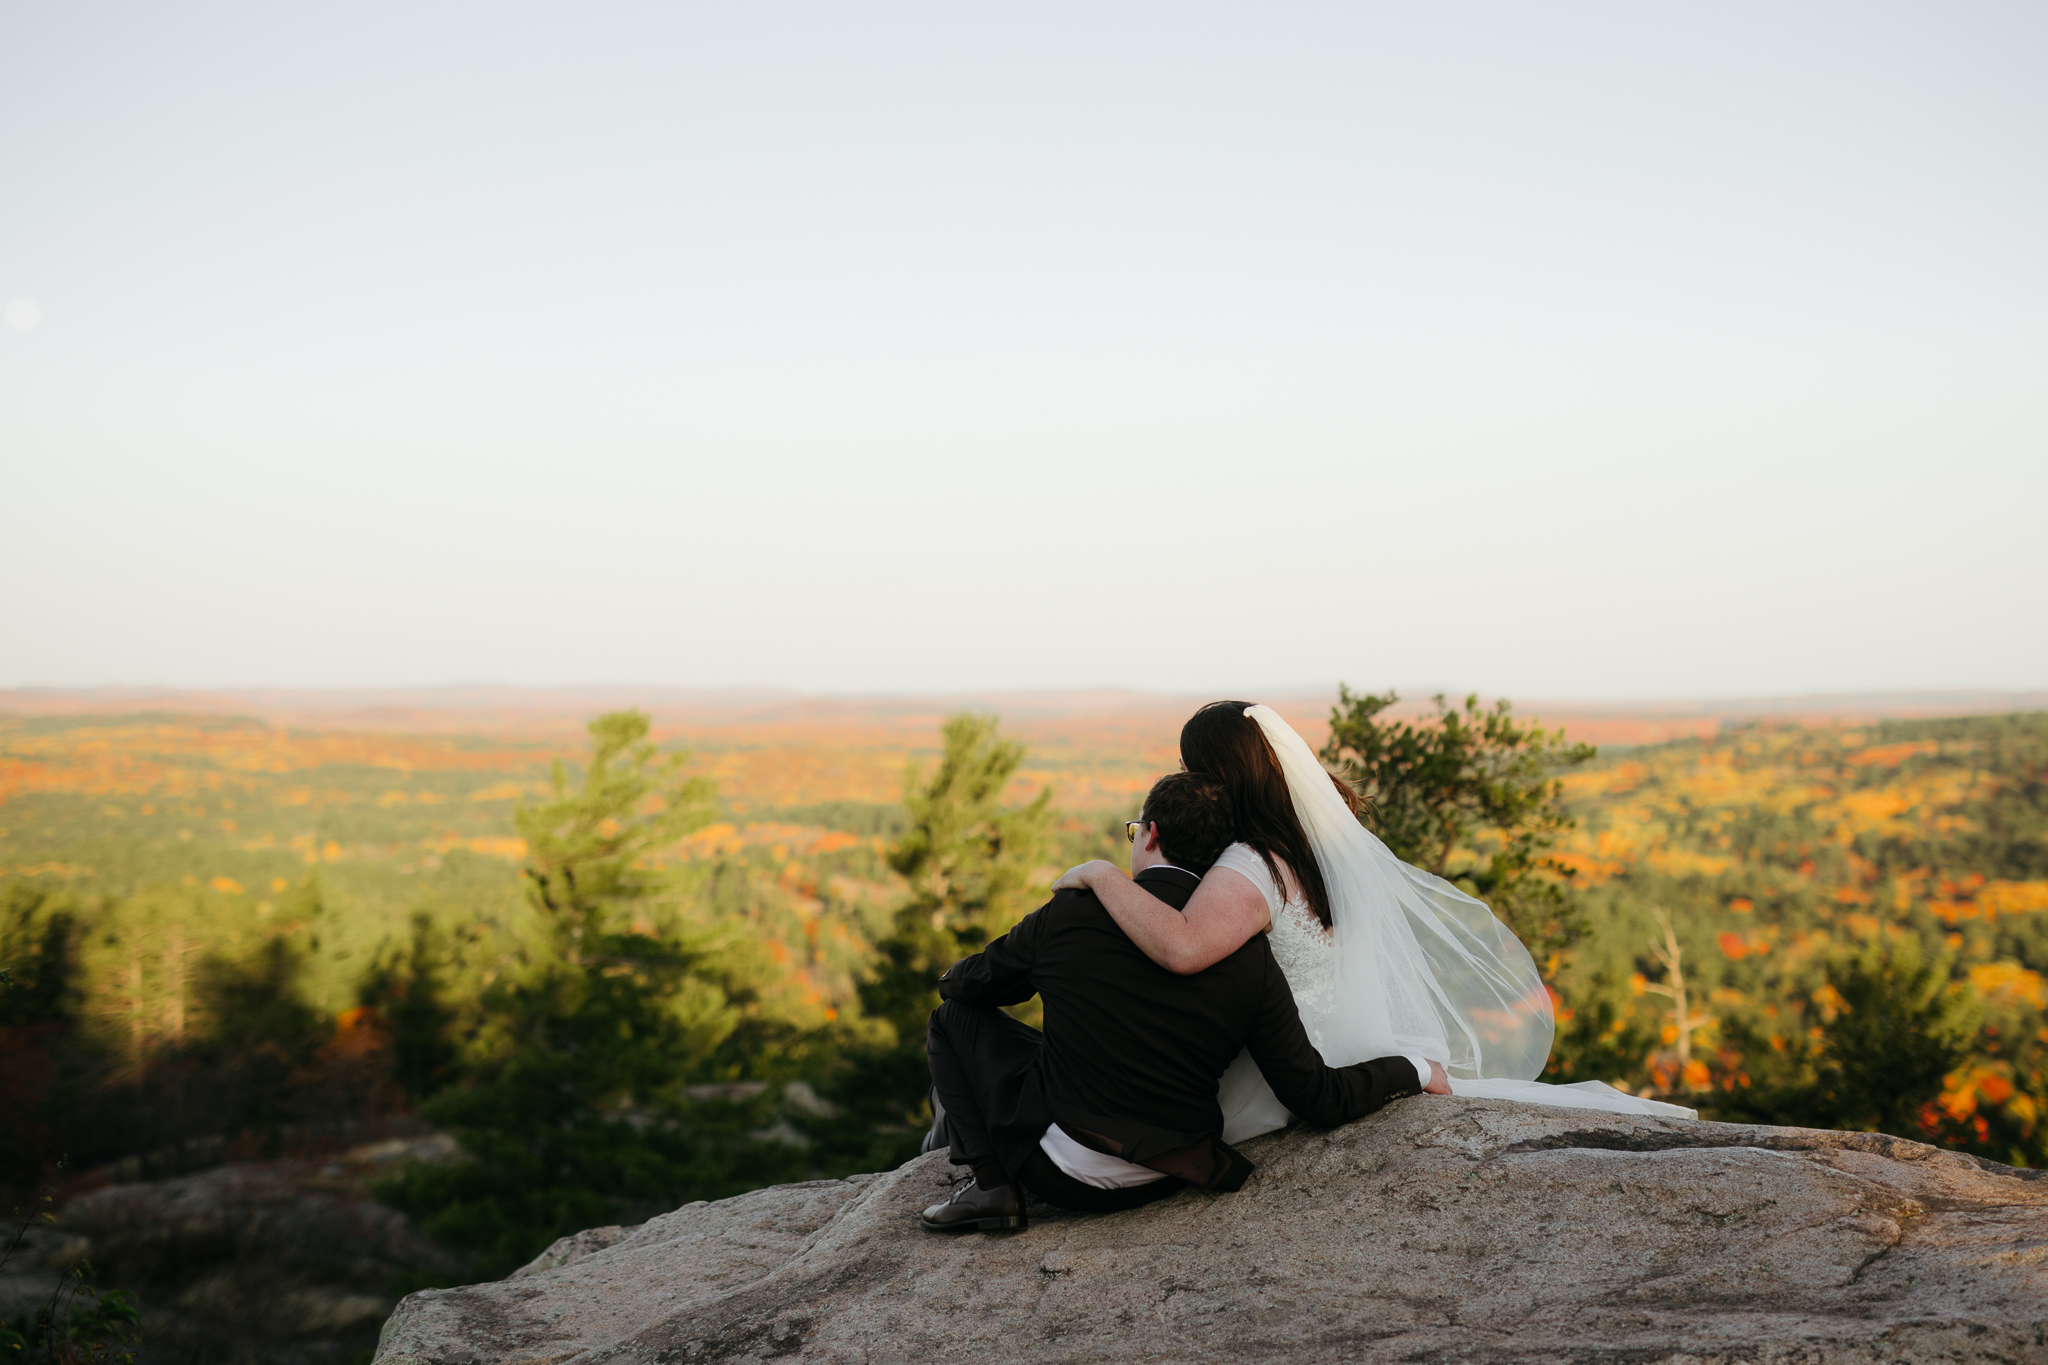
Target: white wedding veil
1421, 966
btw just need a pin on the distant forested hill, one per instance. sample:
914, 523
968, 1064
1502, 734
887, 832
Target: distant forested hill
1781, 854
181, 848
181, 841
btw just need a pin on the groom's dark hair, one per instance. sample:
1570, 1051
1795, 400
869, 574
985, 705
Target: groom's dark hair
1193, 814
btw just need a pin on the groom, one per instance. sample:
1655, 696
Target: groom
1114, 1105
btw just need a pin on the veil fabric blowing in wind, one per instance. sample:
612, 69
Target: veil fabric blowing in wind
1418, 968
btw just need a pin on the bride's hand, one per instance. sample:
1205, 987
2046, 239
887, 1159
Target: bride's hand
1082, 878
1439, 1080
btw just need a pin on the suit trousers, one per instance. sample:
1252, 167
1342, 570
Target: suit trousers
970, 1047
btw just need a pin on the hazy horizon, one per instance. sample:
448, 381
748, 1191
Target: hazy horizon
464, 693
1585, 351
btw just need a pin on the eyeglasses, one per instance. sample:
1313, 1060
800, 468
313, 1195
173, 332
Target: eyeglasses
1131, 828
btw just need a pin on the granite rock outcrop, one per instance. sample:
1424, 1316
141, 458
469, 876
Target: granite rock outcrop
285, 1261
1436, 1230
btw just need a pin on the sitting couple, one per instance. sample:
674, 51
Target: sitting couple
1267, 958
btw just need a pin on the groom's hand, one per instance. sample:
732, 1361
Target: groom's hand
1439, 1080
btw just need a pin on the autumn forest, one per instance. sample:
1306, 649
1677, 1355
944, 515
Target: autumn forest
641, 964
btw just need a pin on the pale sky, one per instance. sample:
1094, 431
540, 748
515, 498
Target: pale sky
1593, 350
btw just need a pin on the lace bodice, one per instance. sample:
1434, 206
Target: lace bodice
1301, 945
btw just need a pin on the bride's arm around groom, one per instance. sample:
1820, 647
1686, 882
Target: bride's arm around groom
1115, 1103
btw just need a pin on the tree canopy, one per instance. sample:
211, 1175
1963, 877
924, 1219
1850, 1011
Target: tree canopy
1470, 794
971, 862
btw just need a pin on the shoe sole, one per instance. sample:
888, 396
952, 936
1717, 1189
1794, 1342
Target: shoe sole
1010, 1223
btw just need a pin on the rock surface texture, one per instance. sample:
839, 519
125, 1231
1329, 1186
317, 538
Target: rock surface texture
287, 1261
1438, 1229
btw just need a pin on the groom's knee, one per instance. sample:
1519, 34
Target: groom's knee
949, 1017
939, 1026
972, 1030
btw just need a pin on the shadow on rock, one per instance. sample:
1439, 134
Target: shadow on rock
287, 1261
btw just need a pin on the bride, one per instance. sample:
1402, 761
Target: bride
1383, 958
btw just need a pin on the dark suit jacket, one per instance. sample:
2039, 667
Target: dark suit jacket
1133, 1052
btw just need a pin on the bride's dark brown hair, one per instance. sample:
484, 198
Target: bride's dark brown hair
1224, 742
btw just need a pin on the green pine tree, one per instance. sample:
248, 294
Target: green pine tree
1899, 1026
973, 865
572, 1108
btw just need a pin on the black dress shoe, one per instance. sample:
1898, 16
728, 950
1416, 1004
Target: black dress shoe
994, 1210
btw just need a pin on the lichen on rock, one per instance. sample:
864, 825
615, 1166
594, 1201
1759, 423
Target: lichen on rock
1437, 1229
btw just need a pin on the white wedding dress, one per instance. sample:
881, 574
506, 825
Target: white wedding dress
1410, 966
